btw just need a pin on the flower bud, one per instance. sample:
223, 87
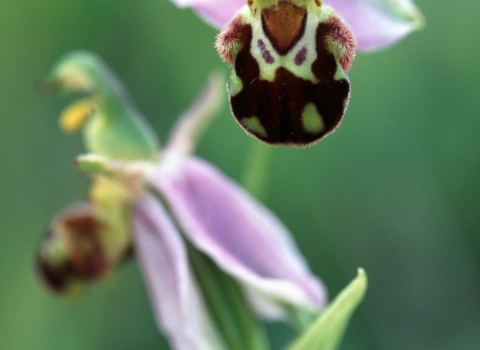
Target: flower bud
87, 241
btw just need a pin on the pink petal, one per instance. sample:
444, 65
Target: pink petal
183, 138
216, 12
176, 300
242, 236
378, 23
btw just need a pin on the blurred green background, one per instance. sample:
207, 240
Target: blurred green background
395, 190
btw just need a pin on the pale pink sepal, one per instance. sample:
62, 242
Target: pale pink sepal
177, 303
378, 24
242, 236
216, 12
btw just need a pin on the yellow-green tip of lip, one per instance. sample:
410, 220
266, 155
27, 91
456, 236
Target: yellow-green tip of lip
362, 278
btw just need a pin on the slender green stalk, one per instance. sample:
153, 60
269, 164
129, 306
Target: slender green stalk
257, 168
227, 304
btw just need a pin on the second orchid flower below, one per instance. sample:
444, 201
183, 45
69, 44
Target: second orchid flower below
185, 220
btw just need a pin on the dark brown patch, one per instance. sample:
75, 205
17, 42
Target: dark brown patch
56, 277
82, 225
301, 56
317, 2
86, 249
284, 25
279, 104
86, 260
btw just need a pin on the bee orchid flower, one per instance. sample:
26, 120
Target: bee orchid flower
174, 207
289, 85
217, 217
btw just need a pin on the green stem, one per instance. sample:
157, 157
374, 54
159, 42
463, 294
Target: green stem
227, 304
257, 168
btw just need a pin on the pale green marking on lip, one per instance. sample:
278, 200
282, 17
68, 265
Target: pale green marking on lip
253, 124
234, 85
340, 73
311, 120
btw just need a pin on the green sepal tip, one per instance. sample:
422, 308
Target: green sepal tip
326, 332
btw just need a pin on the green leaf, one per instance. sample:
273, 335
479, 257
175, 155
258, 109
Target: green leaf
326, 332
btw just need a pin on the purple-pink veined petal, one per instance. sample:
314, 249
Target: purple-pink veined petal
177, 303
378, 23
242, 236
216, 12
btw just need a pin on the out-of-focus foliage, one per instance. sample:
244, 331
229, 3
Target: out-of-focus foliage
395, 190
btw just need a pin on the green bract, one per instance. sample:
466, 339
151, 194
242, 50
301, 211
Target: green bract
327, 330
